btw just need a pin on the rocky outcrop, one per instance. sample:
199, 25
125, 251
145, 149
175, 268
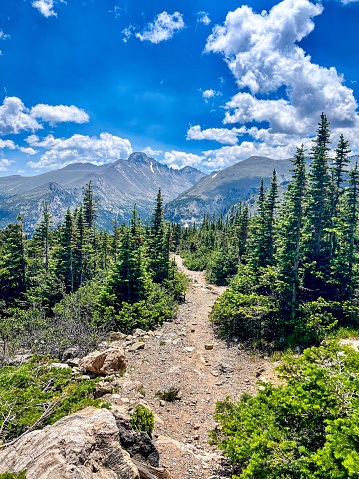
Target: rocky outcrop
106, 362
137, 443
81, 446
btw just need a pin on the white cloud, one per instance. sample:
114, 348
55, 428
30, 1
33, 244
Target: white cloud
4, 164
59, 113
346, 2
128, 32
14, 117
262, 52
21, 172
222, 135
79, 148
178, 159
45, 7
228, 155
7, 144
28, 151
208, 94
4, 36
163, 28
202, 17
152, 153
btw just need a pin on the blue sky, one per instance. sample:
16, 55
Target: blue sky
200, 83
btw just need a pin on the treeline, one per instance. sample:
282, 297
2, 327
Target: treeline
67, 285
293, 267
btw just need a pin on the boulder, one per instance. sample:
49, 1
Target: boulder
71, 353
80, 446
105, 362
137, 443
117, 336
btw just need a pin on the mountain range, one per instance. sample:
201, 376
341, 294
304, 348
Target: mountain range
118, 185
188, 193
215, 193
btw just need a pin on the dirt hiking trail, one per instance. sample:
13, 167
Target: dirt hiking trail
176, 353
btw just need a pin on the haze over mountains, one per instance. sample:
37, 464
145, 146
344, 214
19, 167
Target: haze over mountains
188, 193
118, 186
216, 192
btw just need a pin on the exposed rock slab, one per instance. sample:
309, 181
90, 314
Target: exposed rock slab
81, 446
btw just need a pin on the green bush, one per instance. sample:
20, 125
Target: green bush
27, 391
142, 419
10, 475
306, 428
145, 314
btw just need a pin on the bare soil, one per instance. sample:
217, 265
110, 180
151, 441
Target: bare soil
177, 354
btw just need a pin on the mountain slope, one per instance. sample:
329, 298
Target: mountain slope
118, 185
216, 192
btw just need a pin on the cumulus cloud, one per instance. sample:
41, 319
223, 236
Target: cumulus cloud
28, 151
59, 113
208, 94
262, 52
222, 135
79, 148
15, 117
4, 164
178, 159
152, 153
202, 17
162, 28
45, 7
7, 144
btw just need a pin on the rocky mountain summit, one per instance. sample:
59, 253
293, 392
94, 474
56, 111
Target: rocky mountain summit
118, 185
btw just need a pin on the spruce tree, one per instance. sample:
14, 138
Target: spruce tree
90, 206
318, 211
290, 229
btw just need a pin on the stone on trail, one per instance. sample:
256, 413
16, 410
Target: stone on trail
208, 346
137, 346
105, 362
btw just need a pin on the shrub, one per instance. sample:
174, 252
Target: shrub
142, 419
305, 428
27, 391
10, 475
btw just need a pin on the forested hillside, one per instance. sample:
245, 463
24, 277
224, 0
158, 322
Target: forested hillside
293, 266
71, 284
292, 271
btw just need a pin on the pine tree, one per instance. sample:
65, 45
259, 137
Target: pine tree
12, 263
344, 274
290, 229
158, 243
63, 254
90, 206
43, 233
318, 211
270, 206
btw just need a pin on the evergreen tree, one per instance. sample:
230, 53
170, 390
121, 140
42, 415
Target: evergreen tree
12, 263
318, 211
90, 206
158, 243
43, 234
63, 254
290, 229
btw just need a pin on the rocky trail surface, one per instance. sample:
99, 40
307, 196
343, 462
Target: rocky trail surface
187, 353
